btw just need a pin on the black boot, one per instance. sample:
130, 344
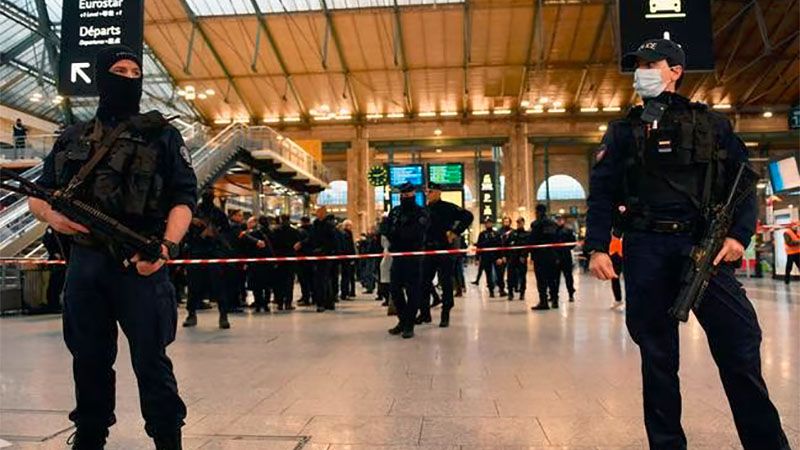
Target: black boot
396, 330
168, 441
491, 294
408, 333
423, 319
445, 318
541, 306
191, 320
223, 322
86, 439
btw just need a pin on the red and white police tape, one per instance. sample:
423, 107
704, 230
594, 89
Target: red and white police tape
468, 251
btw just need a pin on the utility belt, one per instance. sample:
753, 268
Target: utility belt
662, 226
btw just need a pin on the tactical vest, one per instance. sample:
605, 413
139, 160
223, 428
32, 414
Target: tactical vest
126, 182
675, 160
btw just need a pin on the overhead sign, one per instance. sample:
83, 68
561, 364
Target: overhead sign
686, 22
488, 190
87, 26
405, 174
794, 118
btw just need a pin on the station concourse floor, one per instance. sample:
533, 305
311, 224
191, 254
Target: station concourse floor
502, 377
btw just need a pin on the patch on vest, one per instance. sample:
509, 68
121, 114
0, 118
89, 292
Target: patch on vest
600, 153
186, 155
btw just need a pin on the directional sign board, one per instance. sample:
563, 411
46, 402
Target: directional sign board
687, 22
88, 26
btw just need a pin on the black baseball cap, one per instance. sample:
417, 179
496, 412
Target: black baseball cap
407, 188
434, 186
655, 50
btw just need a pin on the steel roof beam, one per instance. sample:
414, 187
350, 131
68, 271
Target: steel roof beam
400, 46
467, 54
51, 47
262, 21
25, 19
535, 29
593, 54
19, 49
338, 45
196, 24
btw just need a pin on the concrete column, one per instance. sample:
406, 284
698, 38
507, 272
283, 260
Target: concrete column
258, 189
360, 201
518, 172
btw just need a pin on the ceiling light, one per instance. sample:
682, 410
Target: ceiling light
761, 185
438, 150
202, 96
722, 106
544, 100
612, 109
501, 112
181, 92
272, 119
210, 92
324, 108
556, 110
344, 112
524, 103
751, 144
449, 113
241, 120
590, 109
395, 115
767, 114
603, 127
321, 118
222, 121
557, 104
344, 117
427, 114
35, 99
374, 116
535, 110
480, 112
437, 132
292, 119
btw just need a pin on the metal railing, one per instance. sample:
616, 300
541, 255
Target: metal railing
265, 138
33, 147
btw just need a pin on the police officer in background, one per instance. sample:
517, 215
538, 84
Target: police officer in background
666, 162
517, 260
565, 235
446, 222
405, 228
321, 241
305, 270
146, 181
502, 263
284, 239
487, 239
545, 260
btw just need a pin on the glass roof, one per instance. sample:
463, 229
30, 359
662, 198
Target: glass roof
28, 72
236, 7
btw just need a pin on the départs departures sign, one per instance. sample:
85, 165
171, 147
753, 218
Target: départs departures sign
88, 26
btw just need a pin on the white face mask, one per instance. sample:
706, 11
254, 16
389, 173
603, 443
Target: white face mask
648, 83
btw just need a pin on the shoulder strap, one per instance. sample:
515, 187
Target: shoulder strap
105, 144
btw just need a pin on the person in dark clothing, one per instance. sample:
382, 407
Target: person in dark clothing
284, 239
262, 280
305, 270
145, 181
446, 222
347, 266
545, 260
565, 235
238, 275
20, 135
517, 260
406, 228
206, 240
502, 263
57, 249
321, 241
667, 163
369, 271
487, 239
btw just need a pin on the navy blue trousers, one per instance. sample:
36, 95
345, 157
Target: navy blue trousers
98, 294
406, 288
653, 265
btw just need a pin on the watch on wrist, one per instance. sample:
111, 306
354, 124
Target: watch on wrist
173, 249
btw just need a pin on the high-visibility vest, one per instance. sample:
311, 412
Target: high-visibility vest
615, 248
791, 249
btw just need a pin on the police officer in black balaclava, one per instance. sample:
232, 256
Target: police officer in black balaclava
146, 181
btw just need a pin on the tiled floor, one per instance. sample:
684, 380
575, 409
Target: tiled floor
502, 377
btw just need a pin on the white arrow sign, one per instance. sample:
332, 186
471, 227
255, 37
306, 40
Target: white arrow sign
77, 69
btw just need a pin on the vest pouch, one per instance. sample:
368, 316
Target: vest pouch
139, 180
108, 186
69, 161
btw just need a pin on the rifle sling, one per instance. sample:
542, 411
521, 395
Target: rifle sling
101, 151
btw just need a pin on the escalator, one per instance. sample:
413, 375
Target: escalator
260, 147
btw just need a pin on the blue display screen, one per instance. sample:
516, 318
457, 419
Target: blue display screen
784, 174
419, 197
405, 174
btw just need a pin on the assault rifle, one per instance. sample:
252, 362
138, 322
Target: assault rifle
103, 227
700, 268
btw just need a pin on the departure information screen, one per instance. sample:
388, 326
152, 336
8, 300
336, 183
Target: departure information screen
405, 174
446, 174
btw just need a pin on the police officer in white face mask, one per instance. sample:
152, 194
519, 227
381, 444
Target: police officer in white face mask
666, 163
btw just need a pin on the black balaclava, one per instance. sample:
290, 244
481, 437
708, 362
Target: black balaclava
119, 96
